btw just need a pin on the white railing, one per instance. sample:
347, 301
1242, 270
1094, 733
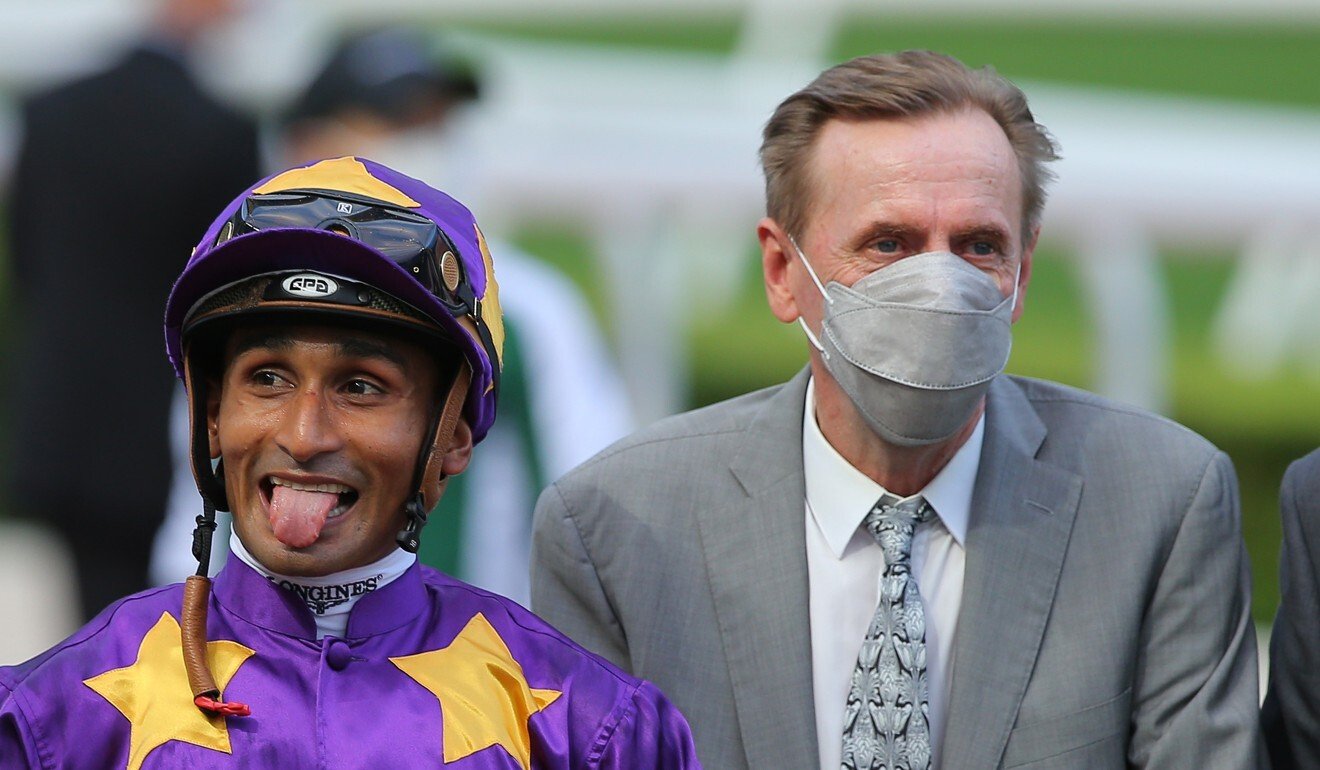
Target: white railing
654, 156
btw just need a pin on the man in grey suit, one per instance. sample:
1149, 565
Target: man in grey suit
1291, 715
901, 558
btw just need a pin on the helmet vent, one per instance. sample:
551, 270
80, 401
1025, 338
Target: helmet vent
240, 295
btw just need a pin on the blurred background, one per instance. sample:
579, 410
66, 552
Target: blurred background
615, 140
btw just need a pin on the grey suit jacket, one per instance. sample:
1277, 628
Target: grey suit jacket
1105, 616
1291, 716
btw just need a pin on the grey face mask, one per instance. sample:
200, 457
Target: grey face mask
915, 344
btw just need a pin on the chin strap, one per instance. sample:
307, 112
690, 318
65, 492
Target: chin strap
197, 588
192, 625
196, 594
421, 503
410, 537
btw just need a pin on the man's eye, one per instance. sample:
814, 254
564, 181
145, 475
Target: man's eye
268, 379
984, 248
362, 388
888, 246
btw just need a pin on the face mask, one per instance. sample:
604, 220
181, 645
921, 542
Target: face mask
915, 344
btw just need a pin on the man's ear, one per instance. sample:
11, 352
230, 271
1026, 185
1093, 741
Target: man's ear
459, 452
1024, 275
453, 461
775, 259
213, 417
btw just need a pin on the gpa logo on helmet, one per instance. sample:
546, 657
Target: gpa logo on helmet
310, 285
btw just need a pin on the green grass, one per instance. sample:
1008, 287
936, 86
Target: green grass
1247, 61
695, 36
1252, 62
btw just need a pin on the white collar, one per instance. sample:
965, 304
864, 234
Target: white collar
839, 495
331, 598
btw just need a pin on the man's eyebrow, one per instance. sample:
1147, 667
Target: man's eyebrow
877, 230
986, 232
356, 347
269, 340
350, 346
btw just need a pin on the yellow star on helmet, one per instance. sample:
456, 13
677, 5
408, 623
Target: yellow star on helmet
490, 307
346, 174
484, 698
154, 695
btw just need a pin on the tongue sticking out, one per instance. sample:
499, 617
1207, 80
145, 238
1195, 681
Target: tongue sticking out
297, 516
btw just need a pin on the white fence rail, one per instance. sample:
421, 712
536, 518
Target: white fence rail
654, 156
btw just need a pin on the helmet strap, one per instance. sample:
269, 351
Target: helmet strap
430, 464
210, 483
192, 623
410, 537
197, 588
203, 533
192, 630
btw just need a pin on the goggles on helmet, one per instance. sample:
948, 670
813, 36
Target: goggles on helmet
411, 241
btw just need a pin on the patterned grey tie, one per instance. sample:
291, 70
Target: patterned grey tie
885, 722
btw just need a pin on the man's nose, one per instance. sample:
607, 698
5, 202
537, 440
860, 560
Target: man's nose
307, 428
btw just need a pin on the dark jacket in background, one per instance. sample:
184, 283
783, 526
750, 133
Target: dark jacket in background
1291, 717
117, 175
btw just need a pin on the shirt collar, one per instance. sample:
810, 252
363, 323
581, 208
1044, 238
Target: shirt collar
839, 495
249, 595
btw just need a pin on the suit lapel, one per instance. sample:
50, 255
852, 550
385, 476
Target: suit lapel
1022, 516
755, 550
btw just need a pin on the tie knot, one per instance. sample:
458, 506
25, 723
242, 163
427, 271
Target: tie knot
893, 522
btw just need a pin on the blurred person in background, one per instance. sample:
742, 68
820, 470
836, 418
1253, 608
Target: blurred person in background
903, 558
389, 95
116, 174
1291, 714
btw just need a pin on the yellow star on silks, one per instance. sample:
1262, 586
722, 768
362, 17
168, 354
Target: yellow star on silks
484, 697
154, 695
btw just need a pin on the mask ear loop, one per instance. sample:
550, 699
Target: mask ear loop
828, 299
1017, 279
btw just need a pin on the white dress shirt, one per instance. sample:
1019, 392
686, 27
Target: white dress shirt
844, 565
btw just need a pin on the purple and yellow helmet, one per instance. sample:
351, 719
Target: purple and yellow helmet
348, 238
350, 218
